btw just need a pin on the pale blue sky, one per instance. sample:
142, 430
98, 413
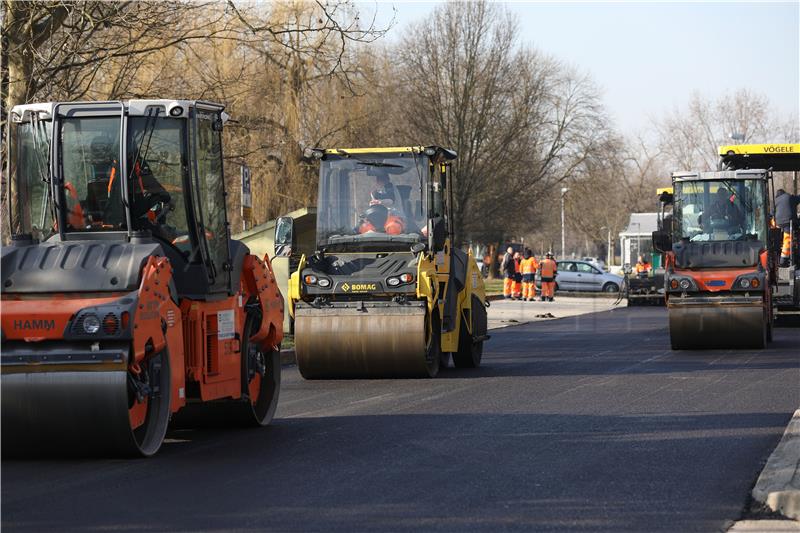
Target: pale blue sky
649, 57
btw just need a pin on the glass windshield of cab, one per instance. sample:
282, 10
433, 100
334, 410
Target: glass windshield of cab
371, 202
90, 175
30, 153
726, 210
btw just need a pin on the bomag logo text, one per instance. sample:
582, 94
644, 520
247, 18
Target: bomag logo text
35, 324
359, 287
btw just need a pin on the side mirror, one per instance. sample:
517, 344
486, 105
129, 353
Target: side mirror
662, 241
626, 268
284, 236
439, 233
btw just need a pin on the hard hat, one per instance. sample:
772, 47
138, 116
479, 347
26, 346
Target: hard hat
549, 254
376, 215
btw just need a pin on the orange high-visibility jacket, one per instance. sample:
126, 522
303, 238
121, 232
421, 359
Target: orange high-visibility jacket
548, 268
643, 267
529, 265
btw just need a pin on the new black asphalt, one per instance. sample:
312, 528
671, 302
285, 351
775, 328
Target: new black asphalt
587, 423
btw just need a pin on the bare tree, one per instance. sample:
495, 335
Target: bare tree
520, 121
690, 137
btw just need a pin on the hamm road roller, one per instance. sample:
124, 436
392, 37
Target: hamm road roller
124, 300
721, 260
386, 294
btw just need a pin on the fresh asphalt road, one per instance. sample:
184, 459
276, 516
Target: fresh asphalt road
588, 423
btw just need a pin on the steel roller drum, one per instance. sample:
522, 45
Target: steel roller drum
717, 326
84, 411
361, 341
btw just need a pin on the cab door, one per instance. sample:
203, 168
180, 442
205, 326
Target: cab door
209, 197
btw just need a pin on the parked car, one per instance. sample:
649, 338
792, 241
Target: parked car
576, 275
596, 261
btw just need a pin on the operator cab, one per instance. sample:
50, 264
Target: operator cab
108, 171
378, 200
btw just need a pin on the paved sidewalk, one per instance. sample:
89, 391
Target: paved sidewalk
504, 313
765, 526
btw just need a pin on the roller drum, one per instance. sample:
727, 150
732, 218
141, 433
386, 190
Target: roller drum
377, 340
77, 409
717, 325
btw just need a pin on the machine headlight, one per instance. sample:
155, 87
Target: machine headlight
755, 283
673, 283
91, 324
393, 282
406, 278
311, 279
685, 284
324, 282
744, 283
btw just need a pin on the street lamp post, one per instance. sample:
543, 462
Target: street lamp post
638, 237
564, 191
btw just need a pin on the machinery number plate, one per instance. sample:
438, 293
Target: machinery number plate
226, 324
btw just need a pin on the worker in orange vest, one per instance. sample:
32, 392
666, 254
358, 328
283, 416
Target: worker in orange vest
529, 266
548, 271
643, 267
517, 285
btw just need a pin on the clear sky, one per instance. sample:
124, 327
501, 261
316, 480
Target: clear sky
649, 57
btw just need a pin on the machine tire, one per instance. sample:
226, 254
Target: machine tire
259, 411
433, 347
148, 437
610, 287
469, 352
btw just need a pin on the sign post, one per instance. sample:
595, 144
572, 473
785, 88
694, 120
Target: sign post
247, 197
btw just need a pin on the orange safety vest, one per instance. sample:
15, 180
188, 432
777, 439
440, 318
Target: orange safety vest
393, 226
643, 267
517, 267
548, 268
529, 266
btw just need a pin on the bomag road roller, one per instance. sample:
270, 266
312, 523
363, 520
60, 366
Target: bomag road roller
386, 294
778, 158
123, 298
720, 260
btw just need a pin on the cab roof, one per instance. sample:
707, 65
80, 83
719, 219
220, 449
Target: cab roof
721, 175
778, 157
426, 150
21, 113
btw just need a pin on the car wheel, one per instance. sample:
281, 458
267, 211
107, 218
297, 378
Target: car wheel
610, 287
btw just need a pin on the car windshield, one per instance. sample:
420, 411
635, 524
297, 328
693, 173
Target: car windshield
371, 202
724, 210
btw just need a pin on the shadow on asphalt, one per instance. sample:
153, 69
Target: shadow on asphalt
409, 472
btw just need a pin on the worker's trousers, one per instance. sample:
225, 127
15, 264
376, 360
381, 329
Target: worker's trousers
786, 249
528, 287
508, 287
548, 289
517, 287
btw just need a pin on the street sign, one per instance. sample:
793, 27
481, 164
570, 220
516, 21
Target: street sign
247, 196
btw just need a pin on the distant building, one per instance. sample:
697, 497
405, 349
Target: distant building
637, 238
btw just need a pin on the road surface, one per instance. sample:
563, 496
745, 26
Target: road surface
587, 423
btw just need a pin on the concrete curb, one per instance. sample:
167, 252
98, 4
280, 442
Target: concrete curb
778, 486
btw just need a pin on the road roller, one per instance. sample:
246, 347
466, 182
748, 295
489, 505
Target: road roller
386, 294
124, 300
778, 158
721, 260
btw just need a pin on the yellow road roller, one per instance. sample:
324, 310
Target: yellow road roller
385, 294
